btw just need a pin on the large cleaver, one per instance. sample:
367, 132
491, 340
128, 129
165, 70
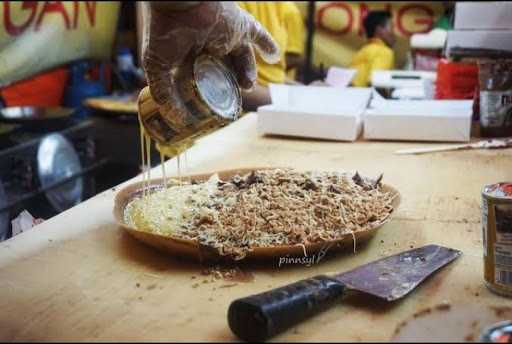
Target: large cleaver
264, 315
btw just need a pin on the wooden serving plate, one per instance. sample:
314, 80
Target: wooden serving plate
194, 250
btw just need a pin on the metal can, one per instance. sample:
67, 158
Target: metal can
211, 98
497, 333
497, 237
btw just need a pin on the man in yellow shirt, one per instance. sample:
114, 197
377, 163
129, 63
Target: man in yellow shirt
271, 15
377, 53
294, 24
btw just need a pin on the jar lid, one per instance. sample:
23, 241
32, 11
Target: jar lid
498, 333
217, 87
499, 190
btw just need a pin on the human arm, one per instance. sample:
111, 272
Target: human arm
294, 24
294, 60
361, 79
258, 96
172, 35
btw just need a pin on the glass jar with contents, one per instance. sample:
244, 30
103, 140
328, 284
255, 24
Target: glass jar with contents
495, 76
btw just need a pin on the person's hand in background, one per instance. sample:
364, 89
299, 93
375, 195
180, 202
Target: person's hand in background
175, 31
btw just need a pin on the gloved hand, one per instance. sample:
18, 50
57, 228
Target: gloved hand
217, 28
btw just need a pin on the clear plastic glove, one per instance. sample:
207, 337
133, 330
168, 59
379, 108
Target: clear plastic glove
218, 28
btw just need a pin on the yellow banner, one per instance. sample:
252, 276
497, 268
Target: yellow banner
38, 35
339, 27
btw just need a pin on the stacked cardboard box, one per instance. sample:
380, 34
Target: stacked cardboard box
418, 120
316, 112
481, 25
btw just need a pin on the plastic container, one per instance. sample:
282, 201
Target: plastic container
45, 89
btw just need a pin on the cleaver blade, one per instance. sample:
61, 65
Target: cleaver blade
393, 277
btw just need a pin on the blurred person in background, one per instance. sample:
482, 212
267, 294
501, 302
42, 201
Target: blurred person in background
272, 16
377, 53
295, 29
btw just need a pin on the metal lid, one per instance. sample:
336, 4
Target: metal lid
499, 190
497, 333
57, 160
217, 87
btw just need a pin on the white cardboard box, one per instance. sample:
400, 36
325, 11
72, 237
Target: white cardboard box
314, 112
419, 120
495, 39
400, 78
483, 15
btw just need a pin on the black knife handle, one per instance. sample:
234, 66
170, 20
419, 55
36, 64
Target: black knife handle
261, 316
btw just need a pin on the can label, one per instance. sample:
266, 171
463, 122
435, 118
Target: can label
497, 237
503, 245
156, 124
204, 86
496, 108
485, 216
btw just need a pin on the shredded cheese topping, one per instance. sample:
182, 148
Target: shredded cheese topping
265, 208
